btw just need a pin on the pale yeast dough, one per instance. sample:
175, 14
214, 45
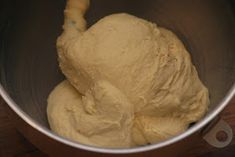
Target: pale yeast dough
132, 82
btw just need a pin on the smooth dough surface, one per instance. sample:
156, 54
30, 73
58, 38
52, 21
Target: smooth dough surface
130, 82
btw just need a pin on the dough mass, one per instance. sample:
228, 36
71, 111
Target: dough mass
129, 82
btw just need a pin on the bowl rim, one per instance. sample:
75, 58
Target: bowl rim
34, 124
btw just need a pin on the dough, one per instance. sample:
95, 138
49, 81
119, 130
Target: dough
132, 82
106, 123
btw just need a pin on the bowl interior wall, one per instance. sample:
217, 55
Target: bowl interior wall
29, 67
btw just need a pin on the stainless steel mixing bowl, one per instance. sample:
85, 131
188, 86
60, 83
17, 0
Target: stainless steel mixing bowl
29, 67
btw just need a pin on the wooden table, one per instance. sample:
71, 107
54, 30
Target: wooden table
13, 144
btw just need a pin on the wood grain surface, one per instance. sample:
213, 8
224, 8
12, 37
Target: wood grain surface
13, 144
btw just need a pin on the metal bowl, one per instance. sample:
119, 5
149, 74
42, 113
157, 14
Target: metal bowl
29, 67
